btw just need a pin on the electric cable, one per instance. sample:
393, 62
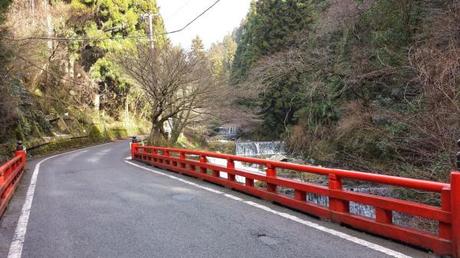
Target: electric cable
111, 38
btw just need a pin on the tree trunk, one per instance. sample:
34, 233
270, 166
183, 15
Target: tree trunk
175, 135
157, 134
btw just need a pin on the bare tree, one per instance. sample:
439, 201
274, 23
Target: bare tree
177, 84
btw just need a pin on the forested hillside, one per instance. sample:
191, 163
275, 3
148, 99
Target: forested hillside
369, 84
57, 78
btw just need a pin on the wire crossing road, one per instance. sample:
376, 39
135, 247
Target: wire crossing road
94, 203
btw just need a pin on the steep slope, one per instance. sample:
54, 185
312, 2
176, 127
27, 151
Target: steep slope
365, 84
57, 80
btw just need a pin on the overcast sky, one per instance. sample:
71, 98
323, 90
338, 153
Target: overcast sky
211, 27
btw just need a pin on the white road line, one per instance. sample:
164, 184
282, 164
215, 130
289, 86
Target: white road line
17, 243
310, 224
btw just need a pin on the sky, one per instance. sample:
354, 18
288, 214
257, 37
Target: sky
211, 27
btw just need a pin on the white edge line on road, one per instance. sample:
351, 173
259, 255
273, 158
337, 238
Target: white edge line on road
17, 243
310, 224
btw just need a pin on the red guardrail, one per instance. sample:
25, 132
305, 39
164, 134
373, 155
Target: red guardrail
10, 174
445, 242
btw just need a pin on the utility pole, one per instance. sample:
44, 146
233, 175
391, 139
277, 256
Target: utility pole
149, 17
32, 11
151, 30
49, 24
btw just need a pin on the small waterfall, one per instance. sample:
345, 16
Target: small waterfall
253, 149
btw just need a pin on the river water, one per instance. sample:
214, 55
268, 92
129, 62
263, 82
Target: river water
255, 149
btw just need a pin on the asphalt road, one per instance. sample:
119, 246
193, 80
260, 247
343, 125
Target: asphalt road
91, 203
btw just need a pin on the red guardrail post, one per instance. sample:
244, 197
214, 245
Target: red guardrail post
182, 158
134, 145
249, 182
455, 207
445, 229
337, 205
160, 153
383, 216
166, 153
203, 160
154, 152
300, 195
174, 163
230, 165
271, 172
149, 155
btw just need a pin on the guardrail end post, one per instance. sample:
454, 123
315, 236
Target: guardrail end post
455, 207
134, 145
19, 146
445, 229
20, 151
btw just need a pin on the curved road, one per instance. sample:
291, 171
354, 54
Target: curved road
93, 203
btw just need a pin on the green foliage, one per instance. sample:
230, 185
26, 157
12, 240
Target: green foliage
342, 84
313, 89
279, 104
222, 147
94, 132
198, 48
221, 55
50, 94
7, 101
118, 20
122, 23
118, 133
268, 28
3, 7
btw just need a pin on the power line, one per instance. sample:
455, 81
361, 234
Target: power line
196, 18
82, 39
111, 38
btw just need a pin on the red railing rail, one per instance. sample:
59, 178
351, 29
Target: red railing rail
446, 240
10, 174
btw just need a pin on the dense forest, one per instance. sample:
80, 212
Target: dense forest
370, 84
363, 84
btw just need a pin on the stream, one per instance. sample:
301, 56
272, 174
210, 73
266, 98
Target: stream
266, 149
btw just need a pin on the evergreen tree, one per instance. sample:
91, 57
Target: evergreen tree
268, 28
120, 24
221, 56
198, 48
